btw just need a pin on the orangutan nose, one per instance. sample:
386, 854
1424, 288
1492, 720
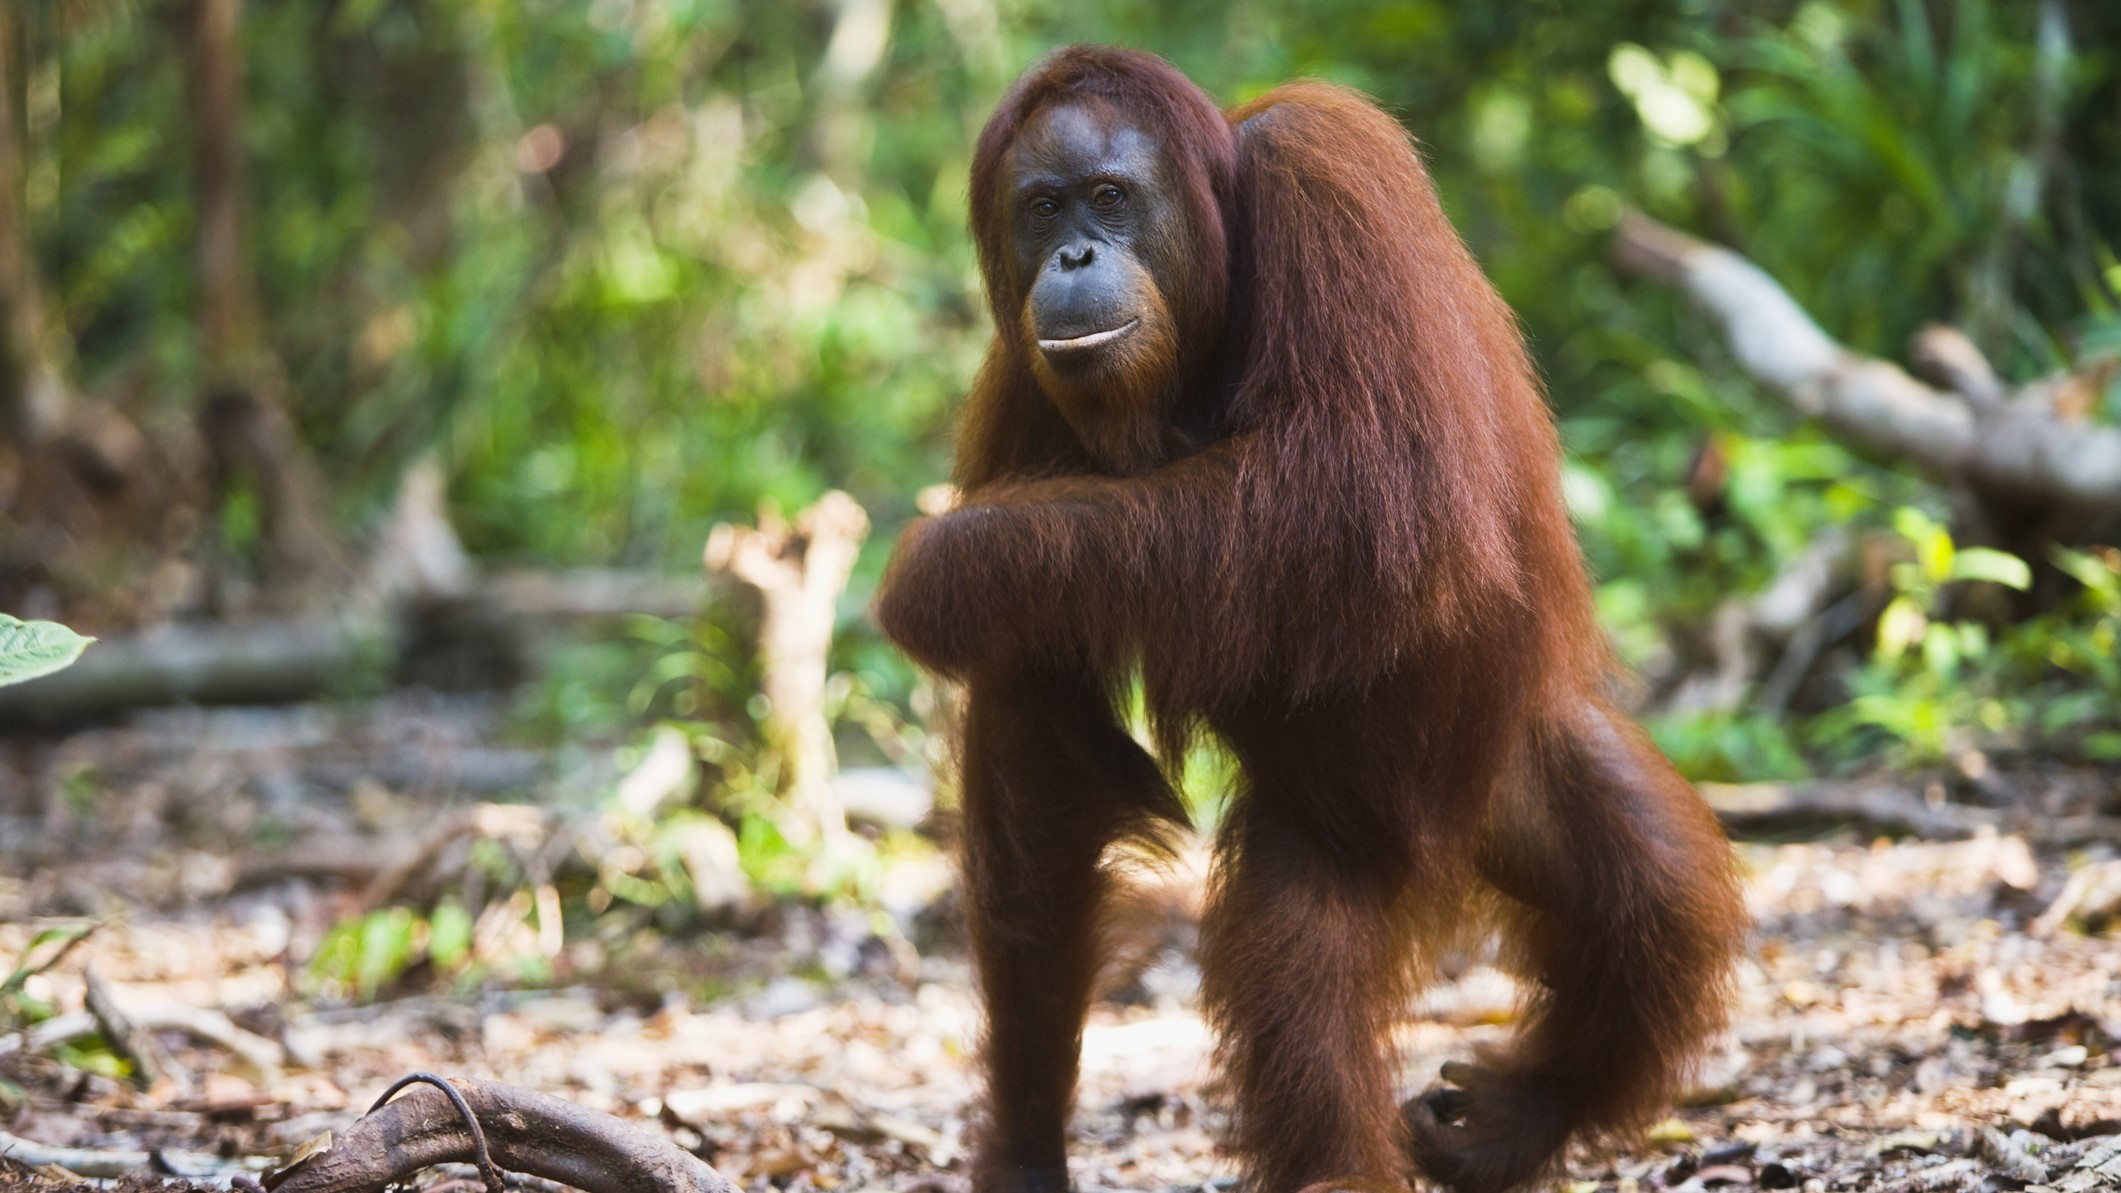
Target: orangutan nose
1077, 256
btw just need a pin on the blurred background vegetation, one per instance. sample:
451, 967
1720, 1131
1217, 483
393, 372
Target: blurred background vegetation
626, 268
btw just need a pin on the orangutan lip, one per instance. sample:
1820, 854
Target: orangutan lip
1094, 340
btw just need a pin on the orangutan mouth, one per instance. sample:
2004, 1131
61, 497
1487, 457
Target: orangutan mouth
1096, 339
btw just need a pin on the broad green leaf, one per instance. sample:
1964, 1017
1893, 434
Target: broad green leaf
1999, 567
1936, 553
29, 649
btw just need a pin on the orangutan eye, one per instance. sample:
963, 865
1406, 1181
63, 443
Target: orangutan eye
1044, 209
1108, 197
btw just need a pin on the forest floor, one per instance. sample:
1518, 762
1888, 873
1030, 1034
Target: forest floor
1910, 1016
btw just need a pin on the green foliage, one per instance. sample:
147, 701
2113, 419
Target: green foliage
366, 953
1912, 690
1941, 680
630, 266
20, 1007
1729, 747
2068, 662
17, 1006
29, 649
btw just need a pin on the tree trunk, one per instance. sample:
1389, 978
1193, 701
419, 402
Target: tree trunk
244, 419
33, 391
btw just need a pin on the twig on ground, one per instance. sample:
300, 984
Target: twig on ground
261, 1054
153, 1062
489, 821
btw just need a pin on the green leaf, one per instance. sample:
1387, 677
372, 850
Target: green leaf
25, 971
29, 649
1900, 626
1999, 567
2089, 570
449, 935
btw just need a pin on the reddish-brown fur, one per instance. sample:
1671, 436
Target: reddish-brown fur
1327, 526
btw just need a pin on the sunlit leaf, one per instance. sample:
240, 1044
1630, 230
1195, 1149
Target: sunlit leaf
1935, 552
29, 649
449, 935
1996, 567
2099, 572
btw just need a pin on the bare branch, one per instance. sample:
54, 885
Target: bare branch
105, 1163
1873, 404
213, 1027
1944, 355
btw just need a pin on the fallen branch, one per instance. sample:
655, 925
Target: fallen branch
259, 661
152, 1063
2006, 448
592, 593
268, 660
1765, 807
2091, 892
213, 1027
104, 1164
526, 1131
1756, 807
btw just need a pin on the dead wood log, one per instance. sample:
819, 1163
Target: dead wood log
264, 1056
2002, 449
277, 659
800, 569
590, 593
1887, 808
107, 1163
252, 662
526, 1131
262, 661
1755, 807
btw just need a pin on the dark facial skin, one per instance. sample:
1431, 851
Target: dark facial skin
1084, 193
1093, 225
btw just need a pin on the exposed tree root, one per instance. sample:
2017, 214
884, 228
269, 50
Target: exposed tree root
525, 1131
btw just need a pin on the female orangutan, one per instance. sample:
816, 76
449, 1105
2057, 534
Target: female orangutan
1254, 422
